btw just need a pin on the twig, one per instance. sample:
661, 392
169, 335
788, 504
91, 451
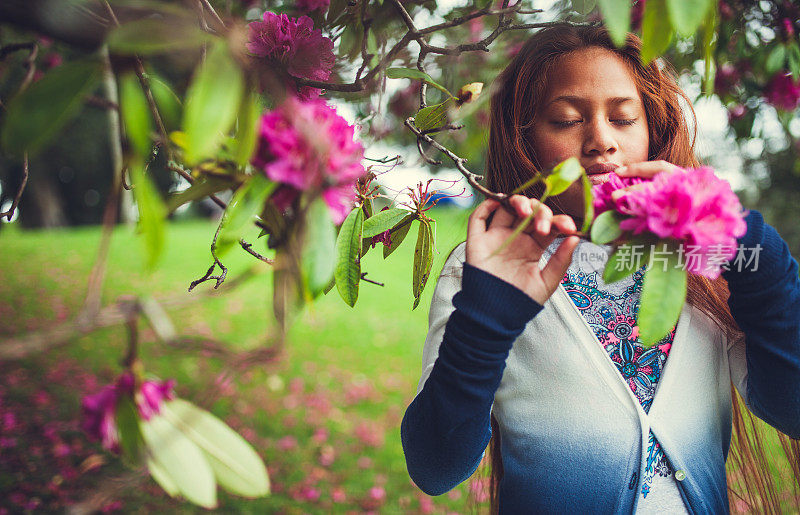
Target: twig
148, 94
102, 103
249, 248
175, 167
217, 263
9, 214
207, 5
364, 278
472, 178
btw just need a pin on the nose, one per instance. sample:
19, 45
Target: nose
599, 138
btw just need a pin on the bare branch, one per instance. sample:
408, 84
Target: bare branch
217, 263
249, 248
210, 8
364, 278
175, 167
472, 178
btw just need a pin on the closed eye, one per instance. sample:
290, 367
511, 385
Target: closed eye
571, 123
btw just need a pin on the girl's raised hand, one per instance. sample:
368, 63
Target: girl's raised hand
518, 263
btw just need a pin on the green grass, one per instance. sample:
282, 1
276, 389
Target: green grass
348, 371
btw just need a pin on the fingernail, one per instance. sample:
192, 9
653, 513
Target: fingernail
621, 170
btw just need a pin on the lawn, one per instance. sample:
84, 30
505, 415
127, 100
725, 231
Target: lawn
325, 416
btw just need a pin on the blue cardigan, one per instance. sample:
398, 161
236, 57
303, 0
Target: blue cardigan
492, 349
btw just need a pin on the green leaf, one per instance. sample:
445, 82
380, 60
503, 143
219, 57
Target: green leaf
616, 18
36, 115
434, 116
212, 102
423, 259
398, 234
663, 296
624, 261
775, 59
583, 6
162, 478
135, 114
156, 36
605, 227
152, 213
588, 203
236, 465
686, 16
169, 104
384, 221
247, 131
563, 175
318, 264
794, 59
709, 45
657, 31
246, 203
348, 256
411, 73
130, 436
180, 460
207, 185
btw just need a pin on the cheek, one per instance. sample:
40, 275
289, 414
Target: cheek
552, 150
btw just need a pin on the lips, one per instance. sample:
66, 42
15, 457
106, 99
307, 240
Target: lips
601, 168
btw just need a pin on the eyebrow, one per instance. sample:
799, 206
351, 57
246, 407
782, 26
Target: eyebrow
580, 100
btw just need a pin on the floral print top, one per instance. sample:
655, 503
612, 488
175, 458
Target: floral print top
610, 310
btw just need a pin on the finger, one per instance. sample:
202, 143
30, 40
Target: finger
543, 219
520, 208
646, 169
477, 220
558, 263
522, 205
616, 194
560, 224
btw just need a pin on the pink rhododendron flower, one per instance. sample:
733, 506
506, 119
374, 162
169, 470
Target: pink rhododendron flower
694, 207
307, 145
783, 92
153, 394
602, 192
99, 410
312, 5
99, 417
293, 43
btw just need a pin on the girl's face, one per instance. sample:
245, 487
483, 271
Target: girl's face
592, 110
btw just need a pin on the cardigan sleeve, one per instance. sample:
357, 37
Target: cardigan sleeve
765, 302
446, 427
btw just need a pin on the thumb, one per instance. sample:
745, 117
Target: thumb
558, 263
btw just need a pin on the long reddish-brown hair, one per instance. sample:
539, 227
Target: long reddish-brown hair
512, 160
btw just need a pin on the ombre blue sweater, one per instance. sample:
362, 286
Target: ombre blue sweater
573, 435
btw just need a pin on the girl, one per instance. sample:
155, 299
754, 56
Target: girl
530, 349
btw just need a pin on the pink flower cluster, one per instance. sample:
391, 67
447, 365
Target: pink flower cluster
306, 145
783, 92
100, 409
691, 206
293, 43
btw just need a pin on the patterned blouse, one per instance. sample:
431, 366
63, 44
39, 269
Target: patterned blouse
610, 310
